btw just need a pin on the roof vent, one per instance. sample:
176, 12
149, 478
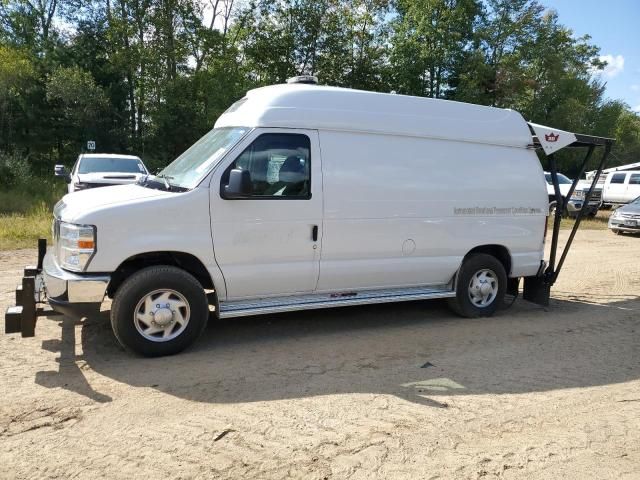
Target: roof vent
308, 79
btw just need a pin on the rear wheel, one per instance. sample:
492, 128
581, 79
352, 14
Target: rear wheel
159, 310
480, 286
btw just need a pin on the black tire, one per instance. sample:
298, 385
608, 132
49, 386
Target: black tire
141, 284
552, 207
616, 231
472, 264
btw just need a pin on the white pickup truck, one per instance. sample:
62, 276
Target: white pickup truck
305, 197
576, 201
93, 170
621, 187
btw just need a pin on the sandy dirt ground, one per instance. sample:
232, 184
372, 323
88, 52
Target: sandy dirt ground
393, 391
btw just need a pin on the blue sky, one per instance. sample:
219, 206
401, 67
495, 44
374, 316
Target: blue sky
613, 26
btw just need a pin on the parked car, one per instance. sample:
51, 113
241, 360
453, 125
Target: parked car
101, 170
621, 187
576, 201
626, 218
305, 197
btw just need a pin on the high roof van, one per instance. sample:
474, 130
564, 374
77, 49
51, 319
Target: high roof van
303, 197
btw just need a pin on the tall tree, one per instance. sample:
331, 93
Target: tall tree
431, 40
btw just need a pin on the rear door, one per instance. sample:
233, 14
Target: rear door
615, 190
268, 243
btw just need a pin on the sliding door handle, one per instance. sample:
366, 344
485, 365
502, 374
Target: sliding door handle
314, 233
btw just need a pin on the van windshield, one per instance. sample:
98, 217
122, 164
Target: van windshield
196, 162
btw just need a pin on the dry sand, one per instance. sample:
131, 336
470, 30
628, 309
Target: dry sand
392, 391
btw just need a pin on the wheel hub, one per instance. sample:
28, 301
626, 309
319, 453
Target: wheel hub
483, 288
162, 316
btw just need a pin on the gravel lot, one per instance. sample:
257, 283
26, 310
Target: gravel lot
392, 391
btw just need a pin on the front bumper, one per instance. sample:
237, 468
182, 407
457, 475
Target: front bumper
624, 225
574, 206
71, 294
63, 286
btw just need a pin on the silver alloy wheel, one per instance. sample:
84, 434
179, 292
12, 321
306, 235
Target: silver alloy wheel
161, 315
483, 288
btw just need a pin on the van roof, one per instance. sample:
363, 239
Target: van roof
333, 108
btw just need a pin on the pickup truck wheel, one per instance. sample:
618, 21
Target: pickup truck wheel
480, 286
159, 310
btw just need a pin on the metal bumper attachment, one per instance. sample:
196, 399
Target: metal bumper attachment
65, 292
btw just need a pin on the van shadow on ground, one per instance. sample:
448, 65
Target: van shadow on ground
418, 351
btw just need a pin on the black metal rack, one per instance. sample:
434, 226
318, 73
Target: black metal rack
537, 289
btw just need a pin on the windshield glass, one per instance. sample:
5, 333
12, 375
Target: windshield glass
192, 166
562, 180
110, 164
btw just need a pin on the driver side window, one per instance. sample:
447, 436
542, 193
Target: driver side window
279, 165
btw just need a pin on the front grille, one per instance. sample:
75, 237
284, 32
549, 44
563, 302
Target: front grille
95, 185
596, 195
630, 216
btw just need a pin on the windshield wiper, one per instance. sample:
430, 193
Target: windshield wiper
166, 179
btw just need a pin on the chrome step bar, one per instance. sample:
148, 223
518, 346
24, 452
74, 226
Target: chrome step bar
243, 308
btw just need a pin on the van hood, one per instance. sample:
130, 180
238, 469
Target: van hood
76, 205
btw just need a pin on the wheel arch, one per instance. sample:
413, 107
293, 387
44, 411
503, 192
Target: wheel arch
500, 252
185, 261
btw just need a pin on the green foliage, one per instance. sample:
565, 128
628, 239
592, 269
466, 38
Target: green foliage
151, 76
14, 170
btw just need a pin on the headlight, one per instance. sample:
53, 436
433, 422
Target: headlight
578, 195
616, 214
76, 246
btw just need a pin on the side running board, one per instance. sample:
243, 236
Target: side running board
242, 308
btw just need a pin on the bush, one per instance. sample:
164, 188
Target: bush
14, 170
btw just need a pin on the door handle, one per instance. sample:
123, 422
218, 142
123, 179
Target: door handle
314, 233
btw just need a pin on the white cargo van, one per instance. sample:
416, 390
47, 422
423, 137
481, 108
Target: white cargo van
305, 197
621, 187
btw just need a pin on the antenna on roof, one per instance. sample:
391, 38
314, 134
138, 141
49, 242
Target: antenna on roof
308, 79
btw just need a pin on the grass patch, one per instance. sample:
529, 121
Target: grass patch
19, 230
599, 222
26, 213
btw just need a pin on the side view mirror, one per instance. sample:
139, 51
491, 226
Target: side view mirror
61, 171
239, 184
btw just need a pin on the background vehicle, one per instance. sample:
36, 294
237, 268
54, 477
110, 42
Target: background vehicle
626, 218
306, 197
101, 170
573, 206
621, 187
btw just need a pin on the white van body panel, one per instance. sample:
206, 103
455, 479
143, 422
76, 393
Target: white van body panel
132, 220
343, 109
393, 208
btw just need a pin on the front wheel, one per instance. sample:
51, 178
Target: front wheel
159, 310
480, 286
